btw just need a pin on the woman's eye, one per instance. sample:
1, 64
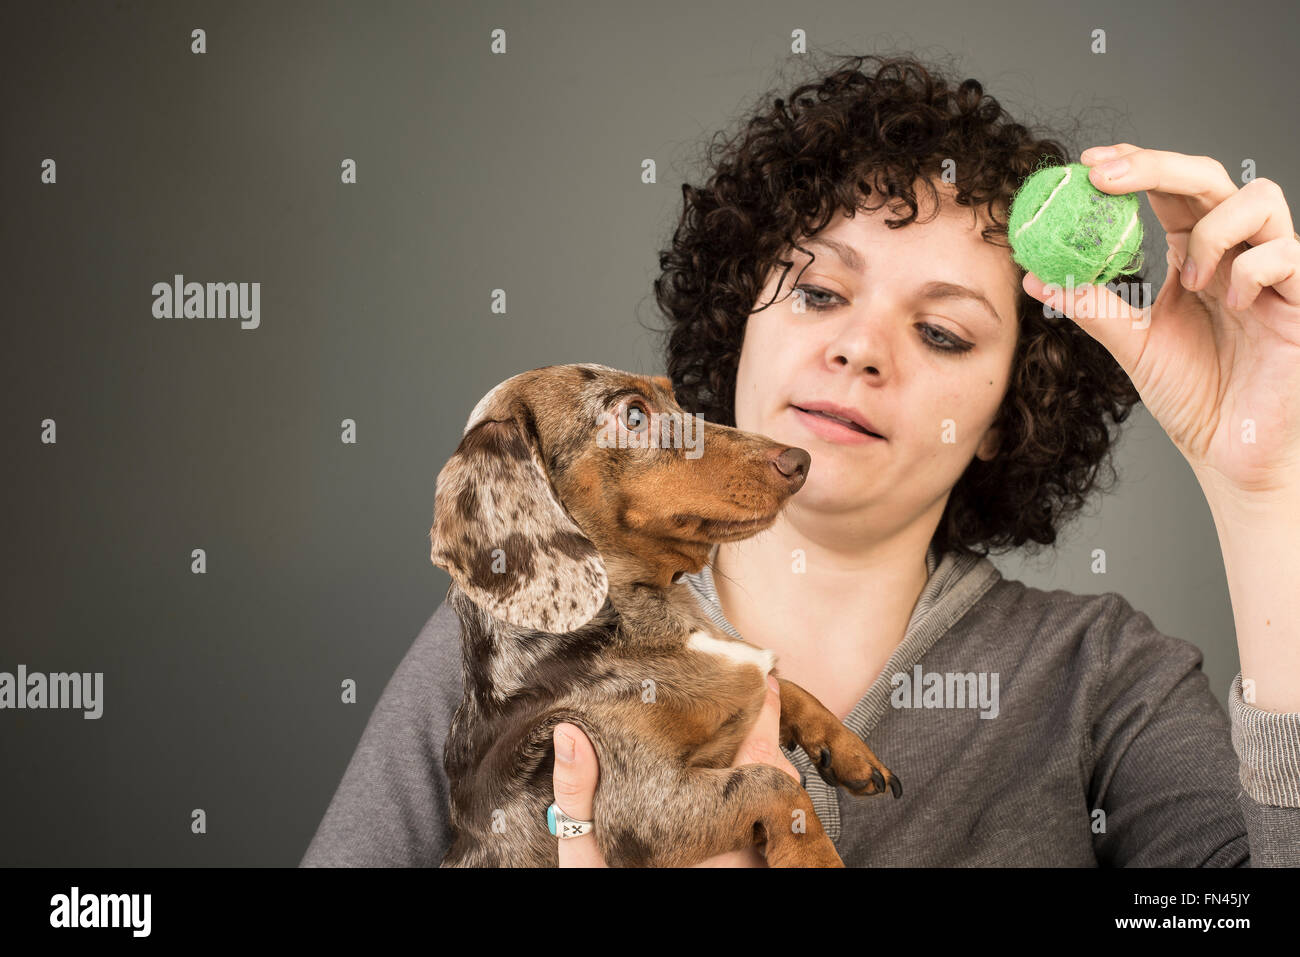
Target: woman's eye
937, 336
808, 293
934, 337
943, 342
635, 417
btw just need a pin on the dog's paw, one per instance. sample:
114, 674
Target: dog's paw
845, 760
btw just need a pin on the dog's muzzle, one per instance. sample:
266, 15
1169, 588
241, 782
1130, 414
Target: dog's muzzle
562, 826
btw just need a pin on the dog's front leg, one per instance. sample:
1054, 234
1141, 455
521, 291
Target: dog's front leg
840, 755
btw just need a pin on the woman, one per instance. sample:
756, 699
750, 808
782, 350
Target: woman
1086, 737
1024, 398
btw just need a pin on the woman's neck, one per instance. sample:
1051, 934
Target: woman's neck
824, 610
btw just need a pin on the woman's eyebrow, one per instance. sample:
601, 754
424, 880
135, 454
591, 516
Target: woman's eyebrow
951, 290
938, 289
848, 255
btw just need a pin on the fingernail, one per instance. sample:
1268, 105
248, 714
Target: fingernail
1115, 168
563, 746
773, 684
1232, 299
1189, 273
1098, 153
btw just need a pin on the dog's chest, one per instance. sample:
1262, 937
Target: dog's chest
709, 697
730, 651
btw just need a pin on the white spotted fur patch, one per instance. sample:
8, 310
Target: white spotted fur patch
737, 651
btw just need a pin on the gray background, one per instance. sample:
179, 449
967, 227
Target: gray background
519, 171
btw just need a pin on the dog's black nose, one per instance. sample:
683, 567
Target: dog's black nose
793, 464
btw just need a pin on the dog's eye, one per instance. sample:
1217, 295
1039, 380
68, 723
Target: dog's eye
635, 417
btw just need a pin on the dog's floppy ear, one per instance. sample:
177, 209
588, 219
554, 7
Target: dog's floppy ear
504, 537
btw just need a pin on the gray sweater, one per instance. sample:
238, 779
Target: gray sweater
1029, 728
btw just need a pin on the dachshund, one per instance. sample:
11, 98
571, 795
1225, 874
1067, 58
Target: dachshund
578, 498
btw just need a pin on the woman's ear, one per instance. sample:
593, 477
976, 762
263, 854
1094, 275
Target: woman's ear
506, 540
989, 445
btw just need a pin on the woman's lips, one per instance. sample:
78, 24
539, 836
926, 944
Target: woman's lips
832, 430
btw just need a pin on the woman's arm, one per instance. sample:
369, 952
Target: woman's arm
1216, 360
1163, 764
1259, 534
392, 807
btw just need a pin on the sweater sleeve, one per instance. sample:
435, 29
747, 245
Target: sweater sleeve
1268, 746
1164, 769
392, 807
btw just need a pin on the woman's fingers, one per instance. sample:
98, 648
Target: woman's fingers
763, 744
749, 857
1255, 215
1275, 265
1180, 188
574, 780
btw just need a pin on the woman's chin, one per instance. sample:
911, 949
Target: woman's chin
829, 495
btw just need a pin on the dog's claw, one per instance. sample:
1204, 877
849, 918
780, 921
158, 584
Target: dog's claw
877, 781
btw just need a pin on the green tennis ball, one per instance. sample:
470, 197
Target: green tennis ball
1066, 231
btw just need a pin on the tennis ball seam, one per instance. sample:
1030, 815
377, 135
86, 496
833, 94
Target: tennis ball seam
1047, 202
1119, 245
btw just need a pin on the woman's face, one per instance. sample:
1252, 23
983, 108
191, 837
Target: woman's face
885, 343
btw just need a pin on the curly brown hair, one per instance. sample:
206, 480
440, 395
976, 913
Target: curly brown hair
802, 159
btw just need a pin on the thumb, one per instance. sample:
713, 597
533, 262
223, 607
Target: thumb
763, 743
574, 782
575, 772
1120, 327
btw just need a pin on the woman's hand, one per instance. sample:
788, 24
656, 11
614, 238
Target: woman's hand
1216, 360
1216, 356
575, 782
